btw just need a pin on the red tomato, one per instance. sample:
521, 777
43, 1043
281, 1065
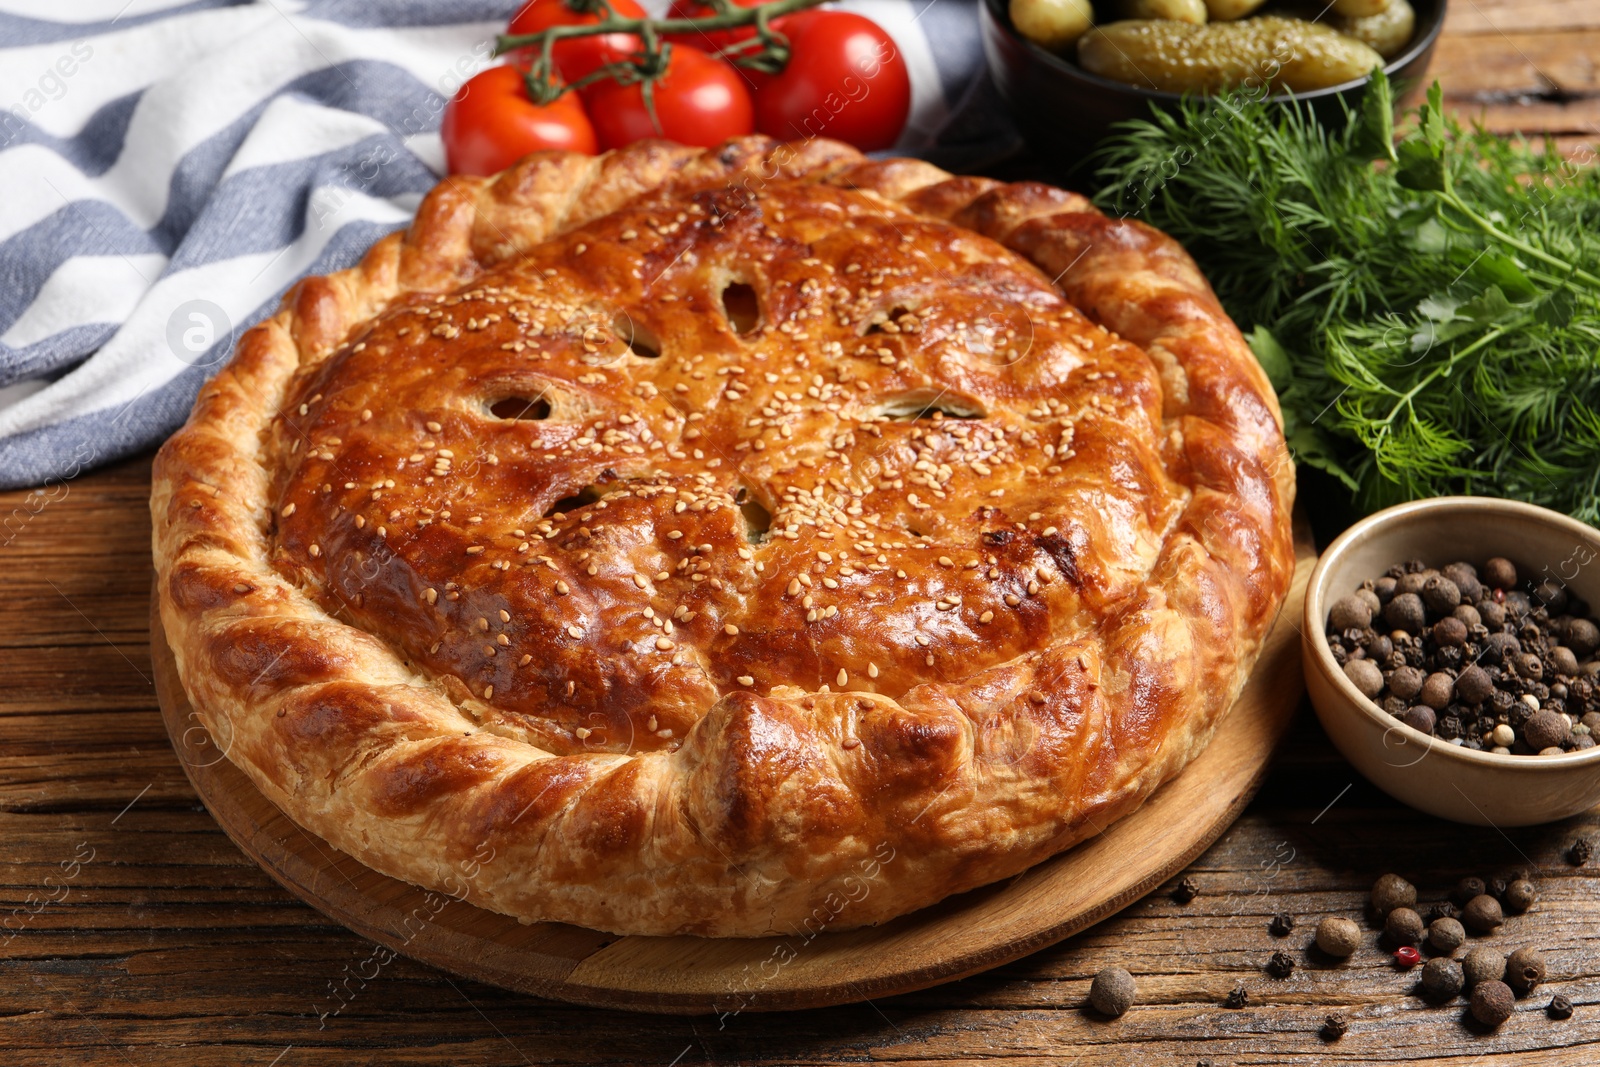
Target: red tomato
845, 80
700, 101
491, 123
716, 40
577, 56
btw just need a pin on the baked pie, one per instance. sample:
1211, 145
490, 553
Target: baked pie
671, 541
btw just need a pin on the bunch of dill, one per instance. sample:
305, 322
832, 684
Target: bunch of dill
1429, 310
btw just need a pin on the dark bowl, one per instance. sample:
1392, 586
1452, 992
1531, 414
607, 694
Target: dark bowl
1064, 111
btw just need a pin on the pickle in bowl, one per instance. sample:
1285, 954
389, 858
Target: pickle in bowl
1180, 57
1052, 24
1387, 32
1178, 10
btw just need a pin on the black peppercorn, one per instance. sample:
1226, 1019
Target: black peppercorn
1482, 914
1281, 924
1496, 887
1492, 1003
1560, 1007
1580, 851
1441, 979
1280, 965
1525, 969
1583, 636
1334, 1027
1442, 910
1186, 890
1450, 727
1238, 998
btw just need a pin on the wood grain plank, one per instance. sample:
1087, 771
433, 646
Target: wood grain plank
1468, 17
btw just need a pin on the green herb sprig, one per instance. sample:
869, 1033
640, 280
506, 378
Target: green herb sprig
1428, 309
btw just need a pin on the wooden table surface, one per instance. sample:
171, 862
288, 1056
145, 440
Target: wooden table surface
133, 932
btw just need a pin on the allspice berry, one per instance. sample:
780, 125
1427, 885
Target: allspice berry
1546, 729
1450, 632
1483, 964
1492, 1003
1446, 935
1519, 896
1482, 914
1499, 573
1338, 937
1437, 690
1112, 992
1406, 682
1365, 676
1468, 888
1440, 594
1465, 575
1349, 613
1405, 612
1473, 685
1403, 927
1525, 970
1392, 891
1441, 979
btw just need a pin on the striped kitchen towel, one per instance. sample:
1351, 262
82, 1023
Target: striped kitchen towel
170, 167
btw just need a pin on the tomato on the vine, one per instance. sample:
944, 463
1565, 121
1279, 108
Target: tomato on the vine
699, 101
845, 80
491, 123
576, 57
712, 40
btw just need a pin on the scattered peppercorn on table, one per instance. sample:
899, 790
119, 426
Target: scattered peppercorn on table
134, 931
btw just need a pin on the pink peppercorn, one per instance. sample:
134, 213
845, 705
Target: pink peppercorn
1407, 957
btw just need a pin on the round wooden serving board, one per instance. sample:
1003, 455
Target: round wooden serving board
691, 975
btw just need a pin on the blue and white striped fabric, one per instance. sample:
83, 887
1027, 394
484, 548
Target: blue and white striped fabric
168, 169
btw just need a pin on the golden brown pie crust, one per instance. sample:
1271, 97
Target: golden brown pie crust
867, 535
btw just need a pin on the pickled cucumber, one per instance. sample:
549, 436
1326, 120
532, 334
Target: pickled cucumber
1387, 32
1228, 10
1360, 9
1052, 24
1180, 57
1180, 10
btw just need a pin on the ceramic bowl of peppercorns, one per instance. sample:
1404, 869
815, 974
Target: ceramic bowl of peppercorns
1452, 653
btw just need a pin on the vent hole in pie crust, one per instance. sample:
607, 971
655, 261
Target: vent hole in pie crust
582, 498
927, 404
888, 323
757, 519
741, 306
637, 336
521, 408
